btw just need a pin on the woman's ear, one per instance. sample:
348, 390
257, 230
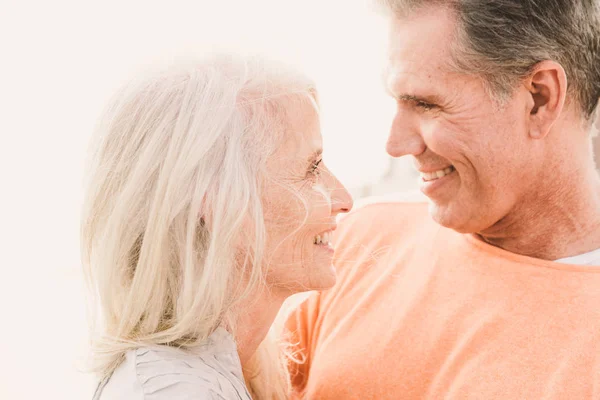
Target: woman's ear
547, 86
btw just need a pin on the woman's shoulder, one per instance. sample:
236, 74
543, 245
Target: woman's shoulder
212, 371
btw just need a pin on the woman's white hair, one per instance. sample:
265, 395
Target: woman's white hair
173, 189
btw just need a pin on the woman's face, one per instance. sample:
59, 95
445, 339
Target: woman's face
301, 201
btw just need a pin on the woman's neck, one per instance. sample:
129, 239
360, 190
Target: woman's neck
253, 320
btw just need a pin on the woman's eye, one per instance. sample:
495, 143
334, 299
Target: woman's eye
314, 167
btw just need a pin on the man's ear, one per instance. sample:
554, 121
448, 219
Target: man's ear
596, 121
547, 86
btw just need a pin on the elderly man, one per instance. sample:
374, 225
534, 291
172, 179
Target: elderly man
596, 142
492, 291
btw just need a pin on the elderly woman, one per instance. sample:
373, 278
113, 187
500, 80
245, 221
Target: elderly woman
208, 204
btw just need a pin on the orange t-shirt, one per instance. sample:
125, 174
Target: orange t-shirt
423, 312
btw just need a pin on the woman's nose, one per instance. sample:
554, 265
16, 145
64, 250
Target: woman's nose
341, 200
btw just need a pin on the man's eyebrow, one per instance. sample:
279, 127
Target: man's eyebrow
411, 97
431, 99
408, 97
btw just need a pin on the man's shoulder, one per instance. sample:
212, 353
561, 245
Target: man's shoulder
399, 198
385, 213
379, 224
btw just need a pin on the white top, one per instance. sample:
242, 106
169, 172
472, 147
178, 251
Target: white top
591, 258
210, 372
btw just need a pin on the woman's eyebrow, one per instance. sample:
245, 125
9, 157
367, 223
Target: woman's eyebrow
315, 155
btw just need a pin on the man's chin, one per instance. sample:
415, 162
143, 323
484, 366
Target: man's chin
450, 217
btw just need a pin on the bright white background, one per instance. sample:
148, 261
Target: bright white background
60, 60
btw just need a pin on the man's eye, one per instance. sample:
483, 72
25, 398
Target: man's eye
424, 106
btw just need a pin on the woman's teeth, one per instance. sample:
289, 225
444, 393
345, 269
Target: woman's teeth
323, 238
431, 176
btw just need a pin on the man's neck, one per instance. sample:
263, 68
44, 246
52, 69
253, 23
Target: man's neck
563, 221
596, 145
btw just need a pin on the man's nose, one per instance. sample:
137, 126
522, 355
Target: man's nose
405, 135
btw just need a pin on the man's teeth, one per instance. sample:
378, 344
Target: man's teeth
431, 176
323, 238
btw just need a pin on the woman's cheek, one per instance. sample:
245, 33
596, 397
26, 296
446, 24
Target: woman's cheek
324, 194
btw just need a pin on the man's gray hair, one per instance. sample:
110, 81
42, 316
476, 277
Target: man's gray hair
502, 40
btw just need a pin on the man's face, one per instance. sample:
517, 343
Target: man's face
475, 156
596, 125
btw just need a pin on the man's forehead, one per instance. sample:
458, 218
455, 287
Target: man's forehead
418, 54
424, 38
406, 78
